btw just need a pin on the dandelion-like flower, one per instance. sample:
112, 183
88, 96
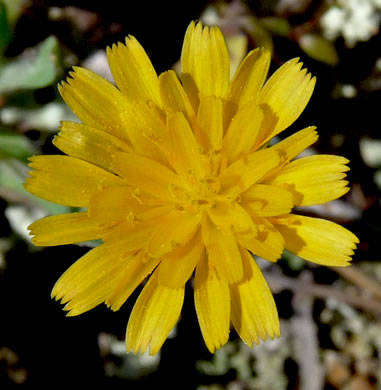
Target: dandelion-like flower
176, 178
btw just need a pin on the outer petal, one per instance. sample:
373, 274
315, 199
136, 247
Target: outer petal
314, 179
65, 229
223, 252
154, 315
212, 300
177, 267
89, 281
89, 144
267, 201
291, 146
286, 94
133, 71
136, 269
95, 101
317, 240
205, 61
101, 105
247, 81
253, 310
53, 175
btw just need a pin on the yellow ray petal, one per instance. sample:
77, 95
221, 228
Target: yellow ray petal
185, 153
247, 171
177, 267
135, 270
247, 81
212, 301
291, 146
209, 131
65, 229
147, 175
52, 176
115, 204
254, 314
286, 94
223, 252
268, 243
89, 144
317, 240
314, 179
132, 235
173, 95
172, 230
227, 215
267, 201
242, 132
155, 313
133, 71
205, 60
95, 101
146, 129
99, 104
90, 279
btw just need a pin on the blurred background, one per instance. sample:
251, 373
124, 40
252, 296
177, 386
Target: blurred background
330, 318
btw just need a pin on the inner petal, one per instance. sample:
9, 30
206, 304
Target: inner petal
172, 230
185, 153
223, 252
147, 175
247, 171
177, 266
267, 200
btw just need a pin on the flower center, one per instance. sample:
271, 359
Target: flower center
198, 194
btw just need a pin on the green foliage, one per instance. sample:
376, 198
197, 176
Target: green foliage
319, 48
35, 68
294, 262
14, 8
15, 145
5, 29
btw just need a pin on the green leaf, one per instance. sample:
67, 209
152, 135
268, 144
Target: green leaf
5, 29
45, 118
293, 261
15, 145
259, 34
319, 48
14, 8
35, 68
277, 26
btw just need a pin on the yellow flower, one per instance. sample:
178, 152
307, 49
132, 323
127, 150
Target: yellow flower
176, 177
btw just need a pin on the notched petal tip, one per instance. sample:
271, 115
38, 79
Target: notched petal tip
129, 38
31, 159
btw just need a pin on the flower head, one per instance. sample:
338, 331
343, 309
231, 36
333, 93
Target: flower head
176, 178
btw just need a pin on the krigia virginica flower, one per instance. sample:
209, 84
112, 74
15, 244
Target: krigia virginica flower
176, 178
